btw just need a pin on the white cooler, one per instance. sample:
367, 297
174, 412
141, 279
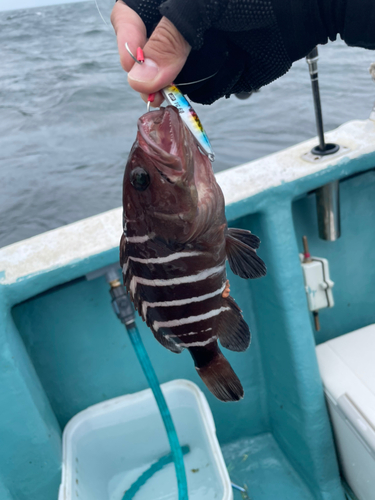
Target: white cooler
347, 367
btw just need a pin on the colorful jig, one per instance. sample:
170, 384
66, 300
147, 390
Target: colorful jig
189, 117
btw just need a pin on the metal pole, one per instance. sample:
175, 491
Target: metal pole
312, 61
328, 196
328, 208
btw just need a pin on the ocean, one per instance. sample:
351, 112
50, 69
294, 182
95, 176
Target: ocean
68, 117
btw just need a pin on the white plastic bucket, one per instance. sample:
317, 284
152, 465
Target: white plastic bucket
107, 447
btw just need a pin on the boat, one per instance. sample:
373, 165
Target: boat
63, 349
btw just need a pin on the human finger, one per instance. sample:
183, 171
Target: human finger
165, 54
130, 29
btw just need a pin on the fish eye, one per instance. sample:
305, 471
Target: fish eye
139, 179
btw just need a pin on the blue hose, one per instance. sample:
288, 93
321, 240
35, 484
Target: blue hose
150, 374
143, 478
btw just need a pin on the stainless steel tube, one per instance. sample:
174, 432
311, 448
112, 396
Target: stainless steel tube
328, 210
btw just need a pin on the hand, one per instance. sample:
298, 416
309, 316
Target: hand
228, 55
165, 52
236, 45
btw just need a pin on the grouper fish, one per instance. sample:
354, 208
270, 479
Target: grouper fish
174, 248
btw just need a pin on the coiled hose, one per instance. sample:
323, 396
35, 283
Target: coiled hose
125, 312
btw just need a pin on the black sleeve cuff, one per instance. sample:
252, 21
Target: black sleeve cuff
301, 25
306, 23
359, 28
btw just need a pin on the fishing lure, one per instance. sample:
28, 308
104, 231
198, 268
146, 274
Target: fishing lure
190, 118
175, 98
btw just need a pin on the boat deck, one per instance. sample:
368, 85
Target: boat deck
258, 465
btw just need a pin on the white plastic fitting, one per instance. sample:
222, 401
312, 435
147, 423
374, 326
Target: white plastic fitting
318, 285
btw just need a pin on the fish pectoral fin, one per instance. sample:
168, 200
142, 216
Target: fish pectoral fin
232, 329
240, 246
219, 377
166, 342
247, 237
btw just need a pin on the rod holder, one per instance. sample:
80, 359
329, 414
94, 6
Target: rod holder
328, 210
322, 149
328, 196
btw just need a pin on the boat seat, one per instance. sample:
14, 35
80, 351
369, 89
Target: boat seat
347, 367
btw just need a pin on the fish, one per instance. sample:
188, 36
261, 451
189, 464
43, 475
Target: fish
174, 248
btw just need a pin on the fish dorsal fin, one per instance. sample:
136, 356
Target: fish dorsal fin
232, 330
241, 248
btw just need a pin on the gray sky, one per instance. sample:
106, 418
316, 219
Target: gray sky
24, 4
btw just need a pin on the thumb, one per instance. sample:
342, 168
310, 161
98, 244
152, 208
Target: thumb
165, 54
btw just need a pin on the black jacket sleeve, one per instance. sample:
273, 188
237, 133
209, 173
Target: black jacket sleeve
307, 23
243, 45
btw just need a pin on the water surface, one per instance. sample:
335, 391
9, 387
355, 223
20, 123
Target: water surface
68, 117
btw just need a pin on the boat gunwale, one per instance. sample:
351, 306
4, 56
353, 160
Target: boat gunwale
247, 189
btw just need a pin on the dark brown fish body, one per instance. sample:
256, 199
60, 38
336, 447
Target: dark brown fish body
174, 248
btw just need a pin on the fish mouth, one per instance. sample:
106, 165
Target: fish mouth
162, 136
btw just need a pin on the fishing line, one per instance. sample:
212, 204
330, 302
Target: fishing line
105, 8
140, 60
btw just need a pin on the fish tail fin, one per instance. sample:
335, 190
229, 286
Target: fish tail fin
218, 375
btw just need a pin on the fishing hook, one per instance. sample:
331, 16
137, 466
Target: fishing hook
140, 59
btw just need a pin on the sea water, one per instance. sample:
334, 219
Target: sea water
68, 117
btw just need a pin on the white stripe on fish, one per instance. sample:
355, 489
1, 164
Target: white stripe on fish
187, 334
191, 319
175, 281
180, 302
137, 239
168, 258
197, 344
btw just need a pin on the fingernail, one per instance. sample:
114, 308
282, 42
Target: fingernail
145, 72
